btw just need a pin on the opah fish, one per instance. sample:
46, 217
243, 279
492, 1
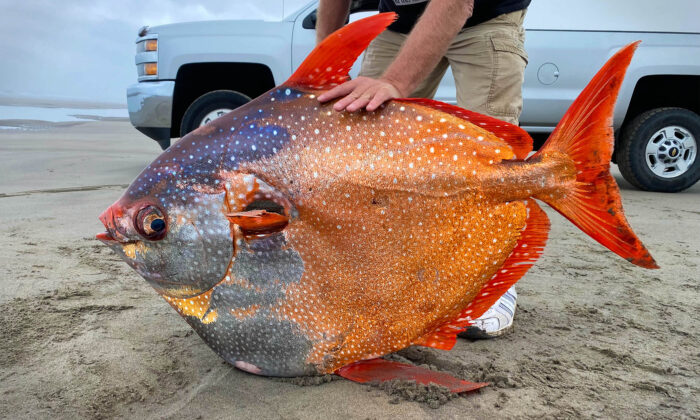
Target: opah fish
297, 240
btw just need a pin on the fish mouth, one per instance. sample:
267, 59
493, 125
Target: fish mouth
106, 238
112, 235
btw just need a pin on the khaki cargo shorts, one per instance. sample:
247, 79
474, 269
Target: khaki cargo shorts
488, 61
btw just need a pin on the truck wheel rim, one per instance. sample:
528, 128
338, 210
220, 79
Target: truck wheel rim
214, 115
671, 151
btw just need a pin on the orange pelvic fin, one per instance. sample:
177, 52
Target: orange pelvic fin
528, 249
380, 370
329, 63
585, 134
518, 139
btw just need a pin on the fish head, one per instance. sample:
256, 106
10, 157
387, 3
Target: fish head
170, 225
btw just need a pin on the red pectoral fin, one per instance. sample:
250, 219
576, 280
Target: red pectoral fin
380, 370
256, 222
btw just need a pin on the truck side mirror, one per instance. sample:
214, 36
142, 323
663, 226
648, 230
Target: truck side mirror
309, 21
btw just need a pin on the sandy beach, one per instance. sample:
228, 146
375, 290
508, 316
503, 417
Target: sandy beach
83, 336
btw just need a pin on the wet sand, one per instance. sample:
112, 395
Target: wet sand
83, 336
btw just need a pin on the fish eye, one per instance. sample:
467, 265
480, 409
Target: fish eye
150, 223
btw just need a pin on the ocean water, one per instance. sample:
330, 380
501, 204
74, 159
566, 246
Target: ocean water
55, 115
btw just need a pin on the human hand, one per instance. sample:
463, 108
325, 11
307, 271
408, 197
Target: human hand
363, 92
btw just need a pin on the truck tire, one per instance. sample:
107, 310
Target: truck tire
209, 107
658, 150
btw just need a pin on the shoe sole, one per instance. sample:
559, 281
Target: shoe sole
476, 333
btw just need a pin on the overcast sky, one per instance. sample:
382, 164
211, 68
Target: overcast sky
84, 49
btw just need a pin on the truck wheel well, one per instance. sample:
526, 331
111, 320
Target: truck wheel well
664, 91
196, 79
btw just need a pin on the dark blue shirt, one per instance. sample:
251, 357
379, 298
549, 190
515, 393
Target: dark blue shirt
410, 10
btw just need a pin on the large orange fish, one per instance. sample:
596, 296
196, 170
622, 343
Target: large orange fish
297, 240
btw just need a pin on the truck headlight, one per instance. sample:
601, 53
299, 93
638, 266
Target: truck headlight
151, 45
150, 69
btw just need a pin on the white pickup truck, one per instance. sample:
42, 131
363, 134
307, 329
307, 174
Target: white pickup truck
190, 73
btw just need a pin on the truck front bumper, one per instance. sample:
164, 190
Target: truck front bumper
151, 107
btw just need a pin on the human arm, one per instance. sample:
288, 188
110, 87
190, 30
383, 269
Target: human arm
330, 16
423, 48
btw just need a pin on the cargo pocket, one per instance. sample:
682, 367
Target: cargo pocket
508, 65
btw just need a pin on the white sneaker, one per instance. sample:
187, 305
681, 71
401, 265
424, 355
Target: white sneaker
497, 320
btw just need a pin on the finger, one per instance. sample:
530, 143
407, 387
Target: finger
351, 97
343, 102
378, 99
359, 103
338, 91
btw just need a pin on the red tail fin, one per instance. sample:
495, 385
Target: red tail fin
585, 134
329, 63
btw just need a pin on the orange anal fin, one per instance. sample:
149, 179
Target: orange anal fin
528, 249
518, 139
329, 63
443, 338
380, 370
258, 221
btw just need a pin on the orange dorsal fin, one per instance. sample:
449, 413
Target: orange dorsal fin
329, 63
380, 370
528, 249
516, 137
585, 135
